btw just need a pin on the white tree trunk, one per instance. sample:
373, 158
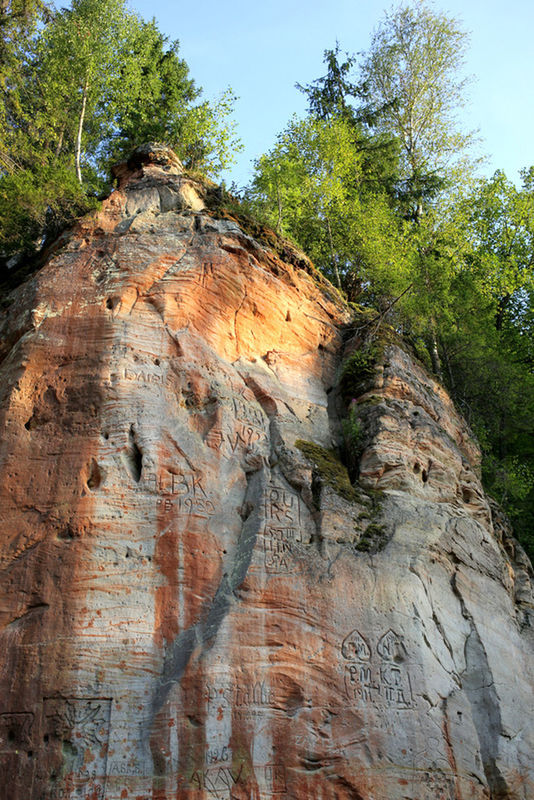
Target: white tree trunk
78, 146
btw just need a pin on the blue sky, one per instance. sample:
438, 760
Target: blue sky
261, 49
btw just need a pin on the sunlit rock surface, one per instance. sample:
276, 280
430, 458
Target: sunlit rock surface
191, 606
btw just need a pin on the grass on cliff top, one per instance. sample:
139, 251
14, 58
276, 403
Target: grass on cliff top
330, 468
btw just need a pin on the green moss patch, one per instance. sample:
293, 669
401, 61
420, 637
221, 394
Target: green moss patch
373, 539
329, 467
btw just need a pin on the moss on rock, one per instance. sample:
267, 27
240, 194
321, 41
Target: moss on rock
373, 539
331, 469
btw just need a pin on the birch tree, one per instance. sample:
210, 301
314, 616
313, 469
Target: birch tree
413, 72
80, 68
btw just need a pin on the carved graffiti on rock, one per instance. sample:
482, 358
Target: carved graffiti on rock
275, 778
380, 678
77, 731
147, 377
282, 528
249, 414
390, 647
216, 779
248, 429
243, 436
214, 755
182, 492
245, 699
355, 647
16, 731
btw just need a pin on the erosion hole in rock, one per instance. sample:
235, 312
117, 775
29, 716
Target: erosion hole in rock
95, 476
135, 456
466, 494
109, 303
424, 476
66, 533
417, 468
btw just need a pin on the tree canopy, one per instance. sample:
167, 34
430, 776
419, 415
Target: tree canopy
82, 86
413, 75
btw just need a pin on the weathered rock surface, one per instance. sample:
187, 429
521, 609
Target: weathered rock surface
191, 606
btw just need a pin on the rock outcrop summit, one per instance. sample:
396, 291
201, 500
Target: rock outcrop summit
206, 595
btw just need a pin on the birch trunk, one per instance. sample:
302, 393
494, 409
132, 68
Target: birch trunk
78, 146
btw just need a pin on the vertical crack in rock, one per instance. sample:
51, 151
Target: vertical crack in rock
439, 627
236, 313
477, 680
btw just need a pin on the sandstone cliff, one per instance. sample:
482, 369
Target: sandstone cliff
196, 602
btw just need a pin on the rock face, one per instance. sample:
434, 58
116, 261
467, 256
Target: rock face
196, 603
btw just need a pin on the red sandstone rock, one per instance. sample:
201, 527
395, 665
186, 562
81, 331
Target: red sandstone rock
189, 608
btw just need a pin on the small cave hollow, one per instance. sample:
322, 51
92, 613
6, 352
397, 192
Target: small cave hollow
95, 476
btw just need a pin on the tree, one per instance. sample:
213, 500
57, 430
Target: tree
336, 96
109, 81
159, 101
85, 85
311, 187
81, 59
412, 73
19, 21
502, 221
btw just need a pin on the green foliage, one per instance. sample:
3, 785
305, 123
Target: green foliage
352, 429
311, 187
336, 96
357, 372
19, 22
36, 205
413, 76
373, 539
160, 102
502, 220
83, 86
